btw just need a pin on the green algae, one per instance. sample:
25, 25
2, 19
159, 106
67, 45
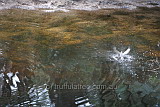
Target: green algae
58, 30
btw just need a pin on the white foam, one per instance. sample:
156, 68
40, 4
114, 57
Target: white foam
57, 9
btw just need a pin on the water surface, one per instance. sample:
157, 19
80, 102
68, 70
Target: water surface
76, 48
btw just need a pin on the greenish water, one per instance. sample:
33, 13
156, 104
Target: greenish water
76, 48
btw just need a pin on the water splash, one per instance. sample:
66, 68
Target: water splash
120, 56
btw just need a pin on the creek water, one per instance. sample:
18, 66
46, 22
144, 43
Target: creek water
69, 59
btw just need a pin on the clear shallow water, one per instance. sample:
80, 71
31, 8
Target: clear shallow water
66, 59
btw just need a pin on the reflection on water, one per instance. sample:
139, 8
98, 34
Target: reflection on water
98, 58
39, 95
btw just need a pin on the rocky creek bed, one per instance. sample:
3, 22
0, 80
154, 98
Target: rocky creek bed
58, 47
